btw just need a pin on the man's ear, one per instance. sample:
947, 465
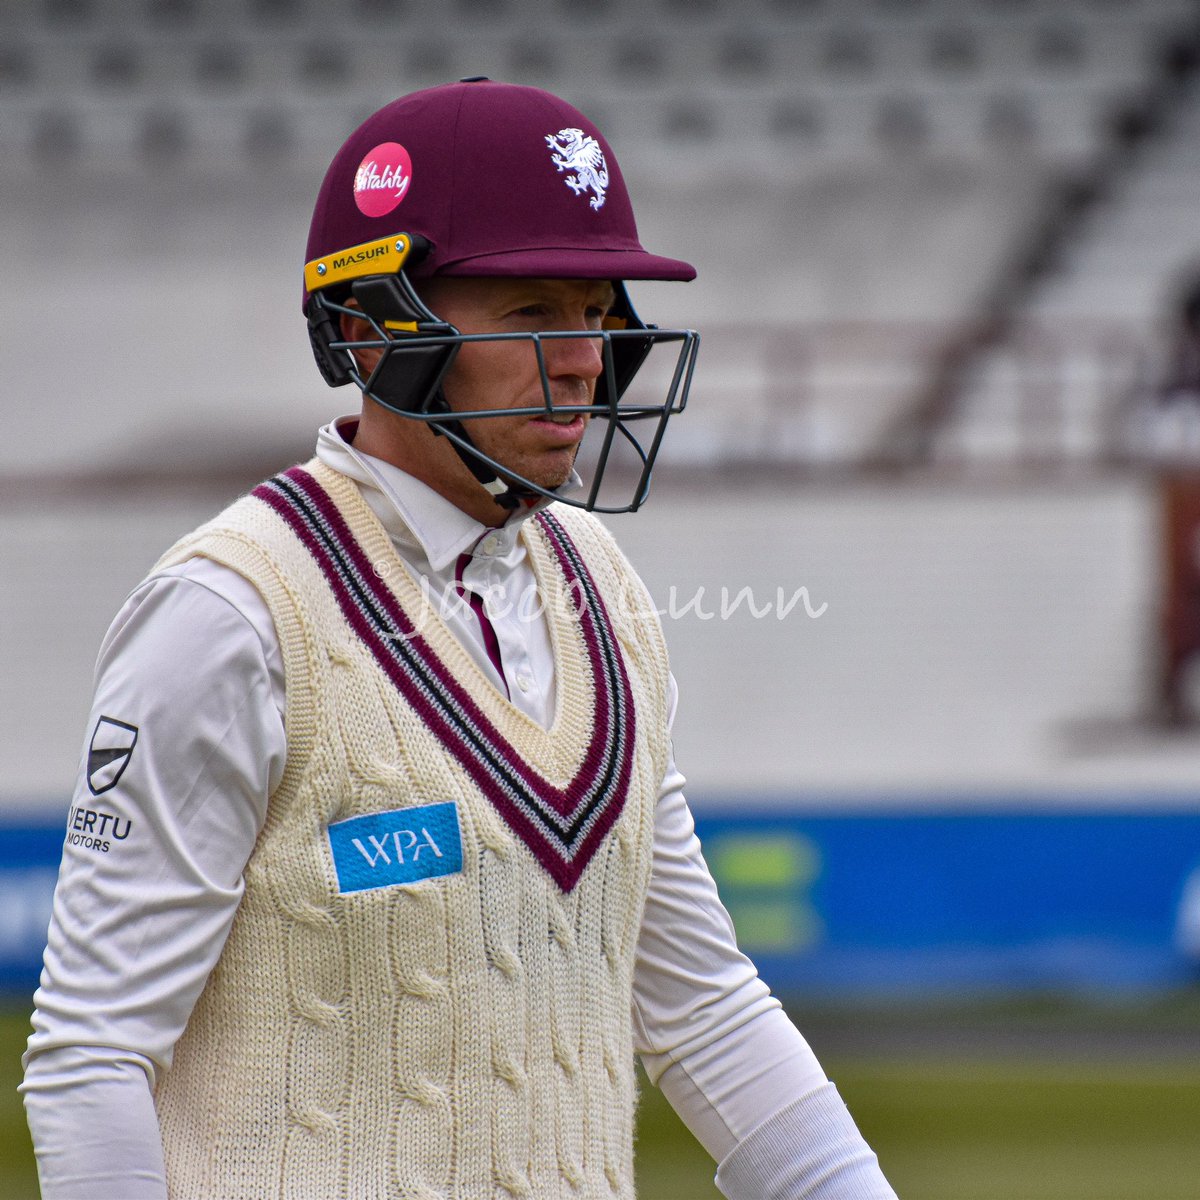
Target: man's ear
358, 329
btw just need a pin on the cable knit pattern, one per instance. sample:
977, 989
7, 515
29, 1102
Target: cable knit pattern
461, 1037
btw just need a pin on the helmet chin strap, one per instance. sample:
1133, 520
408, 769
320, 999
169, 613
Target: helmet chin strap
507, 493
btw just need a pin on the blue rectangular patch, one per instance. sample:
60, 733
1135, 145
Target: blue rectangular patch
400, 846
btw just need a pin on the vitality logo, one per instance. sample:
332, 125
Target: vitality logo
382, 179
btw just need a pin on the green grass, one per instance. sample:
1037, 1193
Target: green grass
1080, 1115
670, 1163
1030, 1130
18, 1175
989, 1130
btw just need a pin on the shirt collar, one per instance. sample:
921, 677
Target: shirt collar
413, 513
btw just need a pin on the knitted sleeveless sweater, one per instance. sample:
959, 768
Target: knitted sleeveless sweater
426, 989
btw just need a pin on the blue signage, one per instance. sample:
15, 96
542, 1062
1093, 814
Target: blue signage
835, 900
962, 899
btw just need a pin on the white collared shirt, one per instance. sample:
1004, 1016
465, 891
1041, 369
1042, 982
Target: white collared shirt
429, 534
192, 661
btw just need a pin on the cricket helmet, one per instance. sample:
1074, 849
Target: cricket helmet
479, 178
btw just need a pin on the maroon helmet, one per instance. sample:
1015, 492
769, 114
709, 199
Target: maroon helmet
478, 178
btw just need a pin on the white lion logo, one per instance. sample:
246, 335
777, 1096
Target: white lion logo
574, 150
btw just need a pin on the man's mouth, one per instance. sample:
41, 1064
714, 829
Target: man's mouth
561, 428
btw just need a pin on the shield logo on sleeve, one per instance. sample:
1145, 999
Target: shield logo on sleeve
109, 753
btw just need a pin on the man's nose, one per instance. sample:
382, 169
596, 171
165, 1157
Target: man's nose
582, 356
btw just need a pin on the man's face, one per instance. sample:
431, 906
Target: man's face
495, 375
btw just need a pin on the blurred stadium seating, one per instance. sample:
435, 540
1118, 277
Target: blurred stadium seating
939, 244
916, 164
211, 80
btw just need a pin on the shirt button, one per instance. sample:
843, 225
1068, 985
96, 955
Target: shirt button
489, 544
524, 683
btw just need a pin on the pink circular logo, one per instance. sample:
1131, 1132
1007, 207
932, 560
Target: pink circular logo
382, 179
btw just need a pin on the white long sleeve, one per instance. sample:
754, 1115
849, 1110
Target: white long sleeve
137, 927
718, 1044
94, 1126
809, 1150
709, 1032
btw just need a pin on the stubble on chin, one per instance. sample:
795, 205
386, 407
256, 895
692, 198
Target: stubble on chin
549, 469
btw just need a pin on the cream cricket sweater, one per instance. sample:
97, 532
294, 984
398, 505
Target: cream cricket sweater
426, 990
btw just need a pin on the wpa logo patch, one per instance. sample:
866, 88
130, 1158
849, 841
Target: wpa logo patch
401, 846
574, 150
109, 753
